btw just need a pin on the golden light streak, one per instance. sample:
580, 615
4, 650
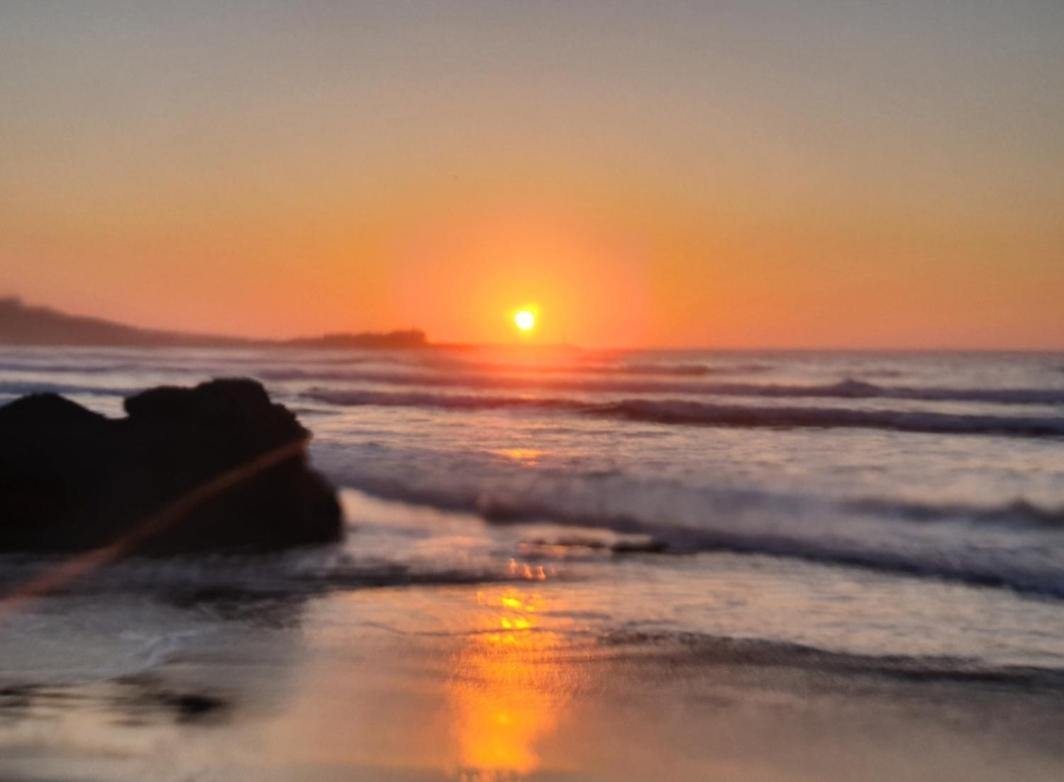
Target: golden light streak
508, 689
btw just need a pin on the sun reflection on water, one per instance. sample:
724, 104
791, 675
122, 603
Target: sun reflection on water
508, 687
529, 457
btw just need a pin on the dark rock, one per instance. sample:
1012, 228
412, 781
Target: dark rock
217, 466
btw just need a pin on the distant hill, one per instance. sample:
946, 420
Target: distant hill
21, 324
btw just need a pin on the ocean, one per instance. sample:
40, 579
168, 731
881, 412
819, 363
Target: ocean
567, 564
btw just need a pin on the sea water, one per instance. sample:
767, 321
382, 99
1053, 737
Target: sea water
516, 515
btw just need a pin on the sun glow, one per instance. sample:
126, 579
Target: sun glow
525, 320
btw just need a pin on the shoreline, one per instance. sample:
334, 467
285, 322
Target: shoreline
355, 685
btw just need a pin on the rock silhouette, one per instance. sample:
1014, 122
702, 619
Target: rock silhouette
218, 466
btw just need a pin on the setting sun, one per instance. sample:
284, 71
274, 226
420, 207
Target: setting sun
525, 320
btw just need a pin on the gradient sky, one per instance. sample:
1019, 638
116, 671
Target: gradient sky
807, 173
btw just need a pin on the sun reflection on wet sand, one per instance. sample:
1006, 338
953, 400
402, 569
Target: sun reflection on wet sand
508, 687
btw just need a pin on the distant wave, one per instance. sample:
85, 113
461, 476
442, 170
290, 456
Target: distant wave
972, 566
683, 412
706, 414
20, 388
430, 399
1014, 514
691, 369
281, 365
705, 648
844, 389
662, 369
81, 369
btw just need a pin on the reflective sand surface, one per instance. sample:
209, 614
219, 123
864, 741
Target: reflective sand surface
540, 676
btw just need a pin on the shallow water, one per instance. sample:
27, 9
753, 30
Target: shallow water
567, 565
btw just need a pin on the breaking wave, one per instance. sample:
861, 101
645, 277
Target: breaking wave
707, 414
813, 532
844, 389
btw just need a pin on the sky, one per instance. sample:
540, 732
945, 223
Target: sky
798, 173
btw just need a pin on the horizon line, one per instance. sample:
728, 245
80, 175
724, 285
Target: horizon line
429, 344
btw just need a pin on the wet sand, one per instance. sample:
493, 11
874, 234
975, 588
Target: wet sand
483, 682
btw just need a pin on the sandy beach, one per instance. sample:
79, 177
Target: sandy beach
225, 672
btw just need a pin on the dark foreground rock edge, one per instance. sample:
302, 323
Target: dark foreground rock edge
211, 468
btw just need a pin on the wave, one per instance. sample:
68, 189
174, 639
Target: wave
1019, 513
82, 369
680, 412
763, 653
838, 543
705, 414
662, 369
202, 576
20, 388
844, 389
690, 369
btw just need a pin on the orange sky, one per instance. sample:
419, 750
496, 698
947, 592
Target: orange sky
733, 174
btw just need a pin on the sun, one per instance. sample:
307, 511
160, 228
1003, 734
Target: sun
525, 320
